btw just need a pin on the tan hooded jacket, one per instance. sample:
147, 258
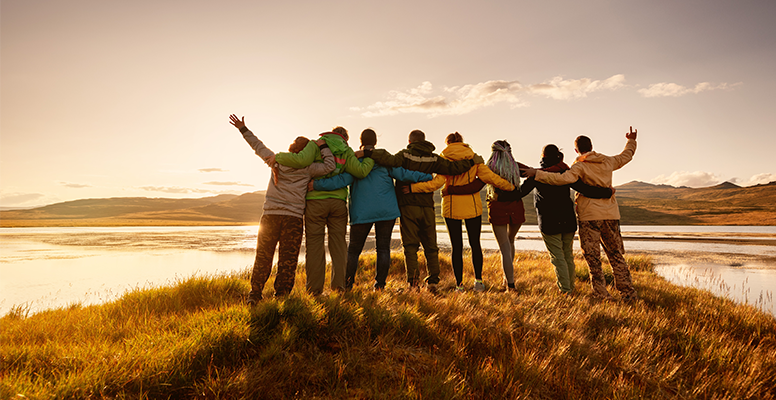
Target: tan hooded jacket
594, 169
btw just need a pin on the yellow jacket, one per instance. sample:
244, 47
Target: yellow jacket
594, 169
462, 206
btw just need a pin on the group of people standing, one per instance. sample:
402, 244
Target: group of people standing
308, 193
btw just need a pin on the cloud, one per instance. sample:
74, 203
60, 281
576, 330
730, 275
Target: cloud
686, 178
759, 179
74, 185
20, 199
665, 89
227, 184
212, 170
464, 99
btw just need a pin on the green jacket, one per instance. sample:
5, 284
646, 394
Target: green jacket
345, 161
419, 156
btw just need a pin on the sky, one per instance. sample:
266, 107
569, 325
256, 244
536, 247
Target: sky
106, 99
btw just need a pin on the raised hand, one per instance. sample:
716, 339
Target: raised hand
238, 123
632, 133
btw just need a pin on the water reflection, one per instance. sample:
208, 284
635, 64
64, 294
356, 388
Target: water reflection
53, 267
747, 284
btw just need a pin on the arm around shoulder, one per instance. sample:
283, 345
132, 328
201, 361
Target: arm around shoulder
403, 174
301, 159
359, 169
333, 183
429, 186
593, 192
487, 175
386, 159
328, 165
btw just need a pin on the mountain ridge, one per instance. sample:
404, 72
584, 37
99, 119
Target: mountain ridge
640, 203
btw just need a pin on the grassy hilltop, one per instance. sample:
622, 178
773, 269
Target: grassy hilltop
198, 340
640, 204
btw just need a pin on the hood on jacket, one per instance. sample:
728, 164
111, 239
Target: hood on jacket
336, 142
591, 157
421, 148
458, 151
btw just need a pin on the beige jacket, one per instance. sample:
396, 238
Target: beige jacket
594, 169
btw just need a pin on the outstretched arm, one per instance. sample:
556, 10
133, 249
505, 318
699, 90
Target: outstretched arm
257, 145
630, 149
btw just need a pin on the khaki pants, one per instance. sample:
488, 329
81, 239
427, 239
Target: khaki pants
320, 215
593, 234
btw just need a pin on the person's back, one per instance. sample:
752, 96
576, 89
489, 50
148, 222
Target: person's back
599, 219
419, 156
282, 222
594, 169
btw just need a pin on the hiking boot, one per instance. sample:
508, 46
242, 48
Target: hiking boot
479, 286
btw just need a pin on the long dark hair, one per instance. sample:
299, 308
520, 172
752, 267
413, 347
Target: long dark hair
551, 155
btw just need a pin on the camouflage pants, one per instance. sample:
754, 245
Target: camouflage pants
593, 234
287, 230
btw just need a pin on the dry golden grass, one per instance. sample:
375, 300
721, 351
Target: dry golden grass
198, 340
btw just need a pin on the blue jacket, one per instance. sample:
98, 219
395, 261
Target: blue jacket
373, 198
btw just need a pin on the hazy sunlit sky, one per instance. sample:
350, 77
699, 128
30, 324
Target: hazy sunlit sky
132, 98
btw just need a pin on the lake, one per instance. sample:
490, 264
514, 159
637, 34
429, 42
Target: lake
43, 268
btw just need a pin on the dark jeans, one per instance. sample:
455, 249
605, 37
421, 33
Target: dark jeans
473, 229
358, 235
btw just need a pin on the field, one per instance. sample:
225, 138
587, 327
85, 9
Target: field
197, 339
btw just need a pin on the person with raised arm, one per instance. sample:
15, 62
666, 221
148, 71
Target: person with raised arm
327, 210
554, 208
282, 219
599, 219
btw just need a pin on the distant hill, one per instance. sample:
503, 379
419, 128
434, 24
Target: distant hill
724, 204
640, 204
142, 211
